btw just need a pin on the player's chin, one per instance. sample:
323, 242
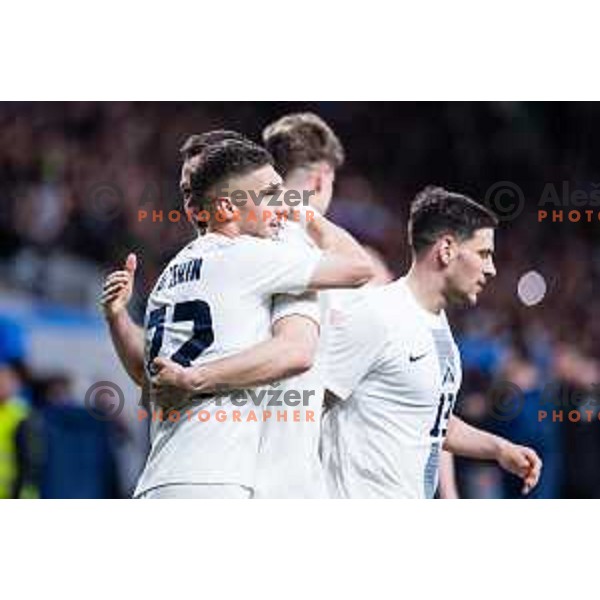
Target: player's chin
472, 298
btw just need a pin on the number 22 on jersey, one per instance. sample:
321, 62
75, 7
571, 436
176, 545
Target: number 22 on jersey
201, 335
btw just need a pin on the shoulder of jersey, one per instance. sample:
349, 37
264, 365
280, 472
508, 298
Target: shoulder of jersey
382, 303
294, 232
270, 244
364, 304
204, 245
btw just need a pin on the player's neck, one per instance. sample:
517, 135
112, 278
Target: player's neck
318, 203
427, 288
229, 229
300, 183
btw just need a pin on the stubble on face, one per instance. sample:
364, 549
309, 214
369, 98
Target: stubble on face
253, 192
474, 267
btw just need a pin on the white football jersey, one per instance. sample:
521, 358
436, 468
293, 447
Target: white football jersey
288, 461
396, 368
213, 300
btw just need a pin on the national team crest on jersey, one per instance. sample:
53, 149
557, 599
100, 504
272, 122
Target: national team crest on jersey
448, 377
444, 347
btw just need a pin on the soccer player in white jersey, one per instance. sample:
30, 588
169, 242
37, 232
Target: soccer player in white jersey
306, 153
395, 370
214, 300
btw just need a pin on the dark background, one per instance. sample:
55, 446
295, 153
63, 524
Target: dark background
73, 177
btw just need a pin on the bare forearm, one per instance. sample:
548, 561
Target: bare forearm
330, 237
289, 352
128, 340
471, 442
264, 363
344, 262
466, 440
448, 488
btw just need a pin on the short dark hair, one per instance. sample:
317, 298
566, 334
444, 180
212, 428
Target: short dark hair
218, 162
301, 139
193, 146
197, 143
436, 211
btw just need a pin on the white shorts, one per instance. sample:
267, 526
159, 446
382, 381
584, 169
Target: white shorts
199, 491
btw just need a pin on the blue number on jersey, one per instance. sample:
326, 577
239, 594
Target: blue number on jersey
202, 337
435, 430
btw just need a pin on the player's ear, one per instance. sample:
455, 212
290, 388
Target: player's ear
223, 204
225, 210
195, 215
316, 179
447, 249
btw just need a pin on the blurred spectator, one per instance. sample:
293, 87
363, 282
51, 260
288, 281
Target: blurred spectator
14, 413
12, 342
543, 435
76, 458
576, 390
477, 479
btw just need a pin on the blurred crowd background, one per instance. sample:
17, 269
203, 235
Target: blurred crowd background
74, 176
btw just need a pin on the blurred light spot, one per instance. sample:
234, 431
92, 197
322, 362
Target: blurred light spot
531, 288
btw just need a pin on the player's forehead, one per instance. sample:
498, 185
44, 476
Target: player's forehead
482, 239
258, 179
185, 173
183, 179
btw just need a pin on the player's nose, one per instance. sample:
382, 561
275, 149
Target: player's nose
489, 270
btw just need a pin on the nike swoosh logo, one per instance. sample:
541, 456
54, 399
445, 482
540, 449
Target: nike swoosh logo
416, 358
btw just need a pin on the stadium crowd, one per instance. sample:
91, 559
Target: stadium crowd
74, 176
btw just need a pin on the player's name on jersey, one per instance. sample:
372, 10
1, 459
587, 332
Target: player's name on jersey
180, 273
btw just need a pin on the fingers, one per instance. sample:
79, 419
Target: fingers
112, 292
108, 299
162, 362
161, 379
131, 263
157, 368
529, 483
534, 471
521, 462
114, 285
118, 276
531, 457
515, 461
129, 270
118, 284
163, 372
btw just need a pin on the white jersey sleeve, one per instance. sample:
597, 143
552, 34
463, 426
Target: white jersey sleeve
355, 342
273, 267
304, 305
307, 304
